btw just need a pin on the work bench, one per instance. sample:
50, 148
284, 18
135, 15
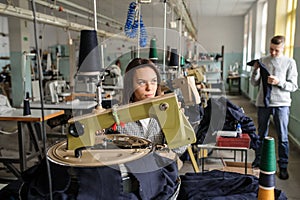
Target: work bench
32, 122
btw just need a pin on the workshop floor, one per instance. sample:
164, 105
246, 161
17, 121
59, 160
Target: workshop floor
290, 186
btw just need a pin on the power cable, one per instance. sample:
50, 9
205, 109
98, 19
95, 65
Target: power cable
44, 136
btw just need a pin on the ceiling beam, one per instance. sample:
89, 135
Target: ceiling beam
183, 12
51, 20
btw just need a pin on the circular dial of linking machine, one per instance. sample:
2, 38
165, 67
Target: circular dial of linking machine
111, 149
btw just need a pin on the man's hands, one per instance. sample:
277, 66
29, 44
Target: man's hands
273, 80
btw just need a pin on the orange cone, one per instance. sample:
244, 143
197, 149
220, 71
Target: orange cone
267, 170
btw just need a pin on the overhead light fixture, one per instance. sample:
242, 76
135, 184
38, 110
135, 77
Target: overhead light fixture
145, 1
173, 24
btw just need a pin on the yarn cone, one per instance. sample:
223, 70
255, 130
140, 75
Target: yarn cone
26, 105
153, 51
89, 53
182, 61
174, 59
267, 170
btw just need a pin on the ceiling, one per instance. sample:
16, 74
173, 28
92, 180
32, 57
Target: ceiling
219, 8
114, 12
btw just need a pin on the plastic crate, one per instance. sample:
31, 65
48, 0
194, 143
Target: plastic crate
243, 141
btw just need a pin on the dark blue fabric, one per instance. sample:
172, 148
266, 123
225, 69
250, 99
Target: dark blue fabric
267, 88
213, 185
37, 185
99, 183
232, 115
220, 185
155, 177
12, 190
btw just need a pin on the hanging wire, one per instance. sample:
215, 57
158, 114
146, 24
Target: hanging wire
44, 138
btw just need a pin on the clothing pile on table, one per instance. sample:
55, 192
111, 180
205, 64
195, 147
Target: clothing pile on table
222, 114
7, 127
5, 104
220, 185
212, 185
150, 177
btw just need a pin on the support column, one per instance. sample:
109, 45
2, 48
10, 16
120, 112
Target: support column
19, 43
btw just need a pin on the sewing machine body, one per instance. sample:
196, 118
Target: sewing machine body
198, 73
56, 89
176, 128
85, 82
188, 89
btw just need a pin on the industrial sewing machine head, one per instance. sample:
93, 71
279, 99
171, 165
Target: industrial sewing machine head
83, 130
56, 91
178, 132
198, 72
188, 89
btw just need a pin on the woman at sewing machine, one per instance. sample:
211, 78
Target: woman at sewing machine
141, 81
152, 176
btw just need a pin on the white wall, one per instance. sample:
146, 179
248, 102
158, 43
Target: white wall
50, 35
213, 32
4, 42
4, 39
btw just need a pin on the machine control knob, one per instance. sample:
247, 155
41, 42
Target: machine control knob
164, 106
76, 129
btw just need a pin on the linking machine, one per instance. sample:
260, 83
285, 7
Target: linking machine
86, 144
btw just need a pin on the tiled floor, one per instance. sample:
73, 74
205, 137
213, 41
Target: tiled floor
290, 186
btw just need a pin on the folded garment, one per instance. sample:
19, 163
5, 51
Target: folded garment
252, 62
220, 185
267, 88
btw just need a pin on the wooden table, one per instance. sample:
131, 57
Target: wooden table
30, 121
71, 109
202, 157
75, 105
234, 81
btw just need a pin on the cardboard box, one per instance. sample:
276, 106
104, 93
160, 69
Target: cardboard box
243, 141
238, 167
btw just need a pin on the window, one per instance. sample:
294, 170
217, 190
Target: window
290, 27
245, 42
249, 45
286, 23
264, 18
261, 27
260, 35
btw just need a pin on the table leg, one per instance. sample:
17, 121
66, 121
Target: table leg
12, 169
194, 163
34, 138
239, 82
242, 156
22, 154
246, 157
202, 159
234, 155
